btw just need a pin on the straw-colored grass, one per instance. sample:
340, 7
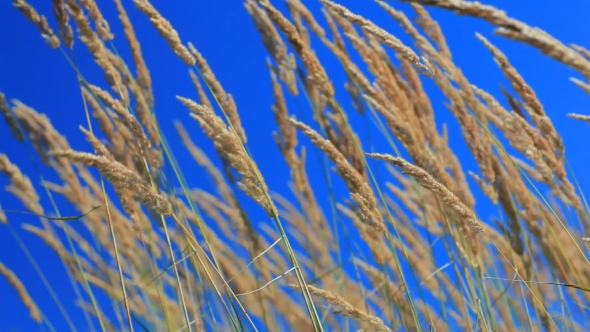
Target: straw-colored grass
402, 250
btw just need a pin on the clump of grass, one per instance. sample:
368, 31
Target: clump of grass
368, 246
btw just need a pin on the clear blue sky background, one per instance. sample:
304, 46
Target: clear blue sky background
223, 31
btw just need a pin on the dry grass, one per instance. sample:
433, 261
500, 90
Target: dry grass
177, 257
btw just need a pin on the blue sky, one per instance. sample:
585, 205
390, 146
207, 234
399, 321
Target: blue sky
224, 33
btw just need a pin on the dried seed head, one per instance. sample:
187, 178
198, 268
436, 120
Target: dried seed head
121, 178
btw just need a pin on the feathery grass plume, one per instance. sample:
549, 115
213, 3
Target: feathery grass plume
141, 87
10, 119
20, 185
225, 99
115, 141
38, 127
22, 292
229, 204
535, 108
368, 234
584, 86
166, 30
316, 71
3, 219
549, 144
53, 242
307, 16
144, 78
66, 33
514, 229
44, 137
102, 26
516, 30
360, 191
299, 24
582, 50
143, 143
307, 231
536, 236
431, 29
428, 182
96, 144
288, 135
286, 139
230, 149
523, 137
530, 142
343, 137
411, 105
202, 95
338, 41
424, 157
463, 101
272, 41
98, 50
120, 177
39, 20
356, 76
343, 307
383, 36
582, 117
202, 159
